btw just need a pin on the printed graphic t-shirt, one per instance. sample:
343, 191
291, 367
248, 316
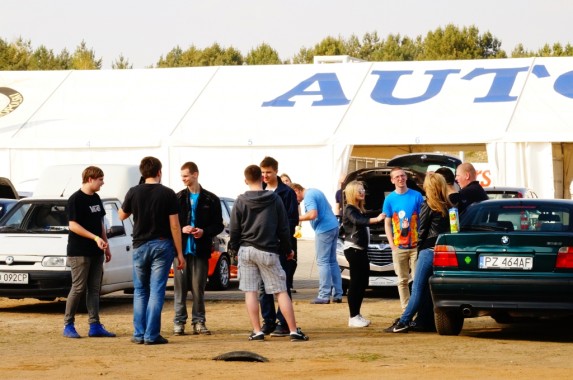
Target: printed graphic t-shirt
404, 210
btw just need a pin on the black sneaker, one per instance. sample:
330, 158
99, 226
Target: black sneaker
298, 336
159, 340
257, 336
268, 328
397, 327
281, 330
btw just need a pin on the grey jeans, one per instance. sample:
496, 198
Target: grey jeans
86, 276
193, 278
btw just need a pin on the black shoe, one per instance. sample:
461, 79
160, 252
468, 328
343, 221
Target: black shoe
257, 336
159, 340
268, 327
281, 331
337, 300
397, 327
136, 340
298, 336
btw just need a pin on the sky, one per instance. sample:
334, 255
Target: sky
143, 31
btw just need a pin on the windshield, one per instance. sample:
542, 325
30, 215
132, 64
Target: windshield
36, 218
510, 216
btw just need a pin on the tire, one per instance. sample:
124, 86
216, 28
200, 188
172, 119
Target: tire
448, 322
220, 280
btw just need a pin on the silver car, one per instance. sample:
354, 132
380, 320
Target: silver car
378, 185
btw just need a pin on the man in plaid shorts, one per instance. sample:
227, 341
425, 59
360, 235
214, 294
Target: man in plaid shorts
259, 231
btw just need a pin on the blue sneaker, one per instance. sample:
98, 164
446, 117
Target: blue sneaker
98, 331
70, 331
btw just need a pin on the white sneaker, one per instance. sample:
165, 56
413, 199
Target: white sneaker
356, 321
178, 329
364, 319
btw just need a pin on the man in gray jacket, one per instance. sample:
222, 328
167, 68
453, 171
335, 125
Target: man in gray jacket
259, 232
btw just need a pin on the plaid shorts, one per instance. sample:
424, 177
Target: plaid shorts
256, 266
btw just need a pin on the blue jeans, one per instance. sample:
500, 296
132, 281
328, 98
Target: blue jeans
151, 264
329, 279
418, 302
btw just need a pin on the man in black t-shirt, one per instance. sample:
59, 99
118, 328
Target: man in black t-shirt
156, 240
471, 191
87, 249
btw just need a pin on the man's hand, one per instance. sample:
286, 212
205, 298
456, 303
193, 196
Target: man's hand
290, 256
180, 262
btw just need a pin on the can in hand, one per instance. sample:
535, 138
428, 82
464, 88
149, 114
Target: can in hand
454, 220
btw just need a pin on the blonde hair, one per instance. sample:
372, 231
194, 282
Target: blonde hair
351, 192
436, 190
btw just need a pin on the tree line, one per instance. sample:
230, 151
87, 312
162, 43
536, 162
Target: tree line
448, 43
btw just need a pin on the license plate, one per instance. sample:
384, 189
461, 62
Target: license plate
381, 281
13, 278
506, 262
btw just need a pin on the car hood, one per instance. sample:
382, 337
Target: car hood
33, 244
423, 162
7, 190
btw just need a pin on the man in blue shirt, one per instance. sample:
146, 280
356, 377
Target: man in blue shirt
319, 212
402, 209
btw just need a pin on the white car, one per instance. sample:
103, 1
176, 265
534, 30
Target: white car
34, 237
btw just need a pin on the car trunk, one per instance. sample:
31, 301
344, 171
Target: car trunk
7, 190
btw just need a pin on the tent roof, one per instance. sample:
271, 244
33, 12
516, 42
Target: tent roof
381, 103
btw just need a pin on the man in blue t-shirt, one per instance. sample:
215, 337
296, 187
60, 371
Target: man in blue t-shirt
402, 209
319, 212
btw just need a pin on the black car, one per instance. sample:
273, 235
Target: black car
378, 185
512, 259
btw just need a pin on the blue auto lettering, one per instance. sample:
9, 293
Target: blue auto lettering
503, 81
564, 85
330, 90
387, 81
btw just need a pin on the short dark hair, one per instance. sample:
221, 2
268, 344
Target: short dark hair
253, 173
269, 162
150, 167
91, 172
447, 174
191, 166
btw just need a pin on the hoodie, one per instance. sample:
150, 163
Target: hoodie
259, 219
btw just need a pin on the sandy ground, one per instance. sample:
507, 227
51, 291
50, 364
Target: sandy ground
32, 347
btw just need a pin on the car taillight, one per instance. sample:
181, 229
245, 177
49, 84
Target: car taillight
565, 258
445, 256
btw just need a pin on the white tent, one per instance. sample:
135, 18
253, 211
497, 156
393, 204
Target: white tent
309, 117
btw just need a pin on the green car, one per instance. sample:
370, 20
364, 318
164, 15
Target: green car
513, 258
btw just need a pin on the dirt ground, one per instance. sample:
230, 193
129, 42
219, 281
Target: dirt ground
32, 346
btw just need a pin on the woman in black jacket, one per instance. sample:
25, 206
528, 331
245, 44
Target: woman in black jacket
356, 240
434, 220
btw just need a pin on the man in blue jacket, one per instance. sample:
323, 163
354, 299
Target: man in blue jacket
201, 220
272, 182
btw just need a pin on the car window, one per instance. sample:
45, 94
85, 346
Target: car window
111, 219
519, 217
17, 215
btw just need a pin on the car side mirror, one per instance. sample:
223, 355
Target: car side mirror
115, 231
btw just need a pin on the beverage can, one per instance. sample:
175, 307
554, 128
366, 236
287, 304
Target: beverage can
454, 220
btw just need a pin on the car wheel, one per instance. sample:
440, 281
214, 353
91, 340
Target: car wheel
448, 322
222, 274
